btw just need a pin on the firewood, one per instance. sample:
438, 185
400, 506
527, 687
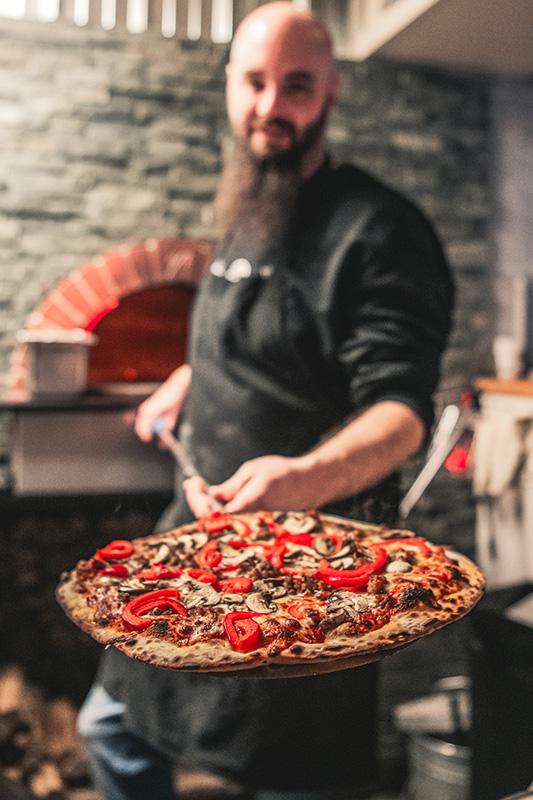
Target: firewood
47, 781
74, 769
11, 689
13, 790
14, 737
84, 794
60, 728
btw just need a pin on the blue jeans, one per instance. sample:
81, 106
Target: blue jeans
125, 767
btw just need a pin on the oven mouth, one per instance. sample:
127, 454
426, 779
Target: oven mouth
133, 304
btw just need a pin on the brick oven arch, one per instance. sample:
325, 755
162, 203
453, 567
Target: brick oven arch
136, 299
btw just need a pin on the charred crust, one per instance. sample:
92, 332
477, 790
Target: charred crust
414, 594
160, 626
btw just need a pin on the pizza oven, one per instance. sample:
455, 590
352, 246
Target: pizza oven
136, 302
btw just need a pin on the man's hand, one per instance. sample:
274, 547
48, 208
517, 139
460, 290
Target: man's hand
359, 455
269, 482
198, 495
165, 402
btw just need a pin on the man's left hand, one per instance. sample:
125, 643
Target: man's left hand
270, 483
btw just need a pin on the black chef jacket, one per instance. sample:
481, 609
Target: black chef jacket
287, 344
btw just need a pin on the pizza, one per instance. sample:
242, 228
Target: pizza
268, 592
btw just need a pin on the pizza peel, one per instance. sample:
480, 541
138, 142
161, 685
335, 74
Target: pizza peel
180, 454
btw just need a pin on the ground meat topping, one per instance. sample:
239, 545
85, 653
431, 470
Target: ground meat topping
414, 594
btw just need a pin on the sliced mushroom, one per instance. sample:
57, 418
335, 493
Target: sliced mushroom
301, 560
237, 556
133, 587
159, 542
232, 597
352, 603
340, 608
302, 548
297, 553
299, 523
324, 545
343, 563
206, 596
162, 555
398, 566
347, 550
260, 602
278, 591
191, 542
273, 587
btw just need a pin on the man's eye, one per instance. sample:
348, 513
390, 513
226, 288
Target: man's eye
298, 88
256, 84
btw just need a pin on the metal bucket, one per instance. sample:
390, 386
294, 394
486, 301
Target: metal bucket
438, 769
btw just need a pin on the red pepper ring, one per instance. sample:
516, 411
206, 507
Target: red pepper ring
301, 610
352, 578
415, 541
135, 609
118, 570
243, 632
157, 572
115, 550
217, 522
240, 585
208, 556
275, 554
276, 528
283, 535
336, 538
297, 538
238, 543
202, 575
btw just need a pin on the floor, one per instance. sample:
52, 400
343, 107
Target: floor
200, 786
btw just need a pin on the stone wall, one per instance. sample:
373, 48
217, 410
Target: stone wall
512, 110
111, 138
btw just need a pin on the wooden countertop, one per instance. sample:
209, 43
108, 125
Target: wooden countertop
498, 386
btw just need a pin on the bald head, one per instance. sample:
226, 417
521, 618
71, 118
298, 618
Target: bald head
281, 25
281, 81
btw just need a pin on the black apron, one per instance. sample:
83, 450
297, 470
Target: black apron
256, 390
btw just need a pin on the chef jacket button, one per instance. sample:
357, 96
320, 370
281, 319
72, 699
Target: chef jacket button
218, 267
237, 270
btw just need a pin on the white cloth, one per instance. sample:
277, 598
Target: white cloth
502, 454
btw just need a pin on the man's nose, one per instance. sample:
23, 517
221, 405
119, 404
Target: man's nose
269, 103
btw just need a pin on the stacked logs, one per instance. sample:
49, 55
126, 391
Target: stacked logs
41, 755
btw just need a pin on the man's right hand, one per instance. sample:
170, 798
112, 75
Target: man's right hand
165, 402
200, 501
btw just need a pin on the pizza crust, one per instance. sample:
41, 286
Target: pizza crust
299, 659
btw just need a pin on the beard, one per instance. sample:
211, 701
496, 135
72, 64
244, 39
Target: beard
257, 195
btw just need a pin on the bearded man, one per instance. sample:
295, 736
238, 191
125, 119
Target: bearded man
314, 353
